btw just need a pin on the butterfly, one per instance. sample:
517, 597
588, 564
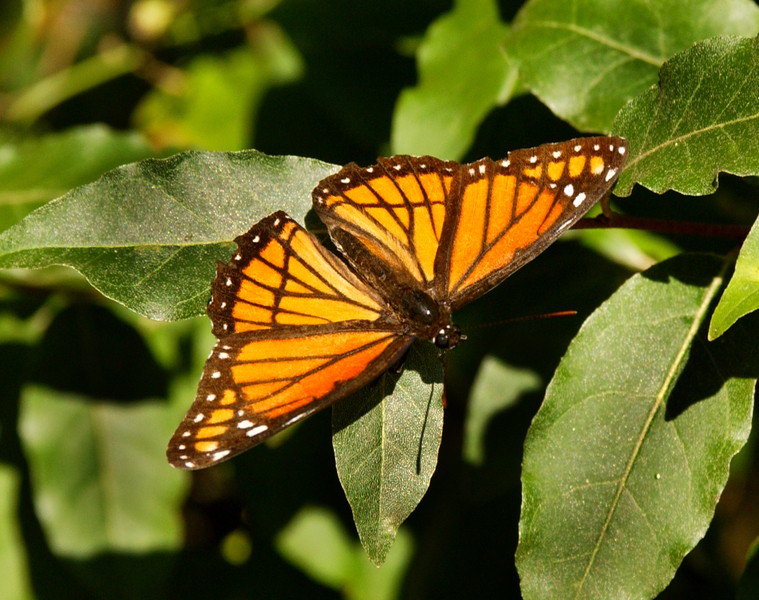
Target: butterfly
298, 328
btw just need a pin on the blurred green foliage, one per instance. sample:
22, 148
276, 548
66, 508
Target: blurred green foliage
91, 391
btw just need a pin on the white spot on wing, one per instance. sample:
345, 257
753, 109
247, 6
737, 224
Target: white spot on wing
215, 375
533, 159
596, 146
189, 464
471, 171
199, 417
220, 454
610, 174
482, 169
505, 163
256, 239
211, 397
186, 434
569, 189
245, 424
580, 199
345, 180
577, 148
556, 153
621, 149
296, 418
256, 430
370, 169
223, 355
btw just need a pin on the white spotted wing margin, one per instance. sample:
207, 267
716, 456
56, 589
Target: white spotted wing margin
505, 213
228, 417
297, 331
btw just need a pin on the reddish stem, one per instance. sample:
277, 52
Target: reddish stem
614, 220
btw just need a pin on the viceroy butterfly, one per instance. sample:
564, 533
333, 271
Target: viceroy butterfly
299, 329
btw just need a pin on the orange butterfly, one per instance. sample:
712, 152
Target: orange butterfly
299, 329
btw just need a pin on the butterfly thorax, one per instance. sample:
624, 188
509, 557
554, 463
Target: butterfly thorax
422, 316
426, 318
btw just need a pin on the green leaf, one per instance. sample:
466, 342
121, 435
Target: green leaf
441, 114
148, 235
742, 294
216, 105
496, 387
702, 119
316, 542
386, 438
748, 586
632, 248
34, 171
629, 453
14, 584
586, 59
121, 495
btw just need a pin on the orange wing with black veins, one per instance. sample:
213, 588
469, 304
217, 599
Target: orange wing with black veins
297, 331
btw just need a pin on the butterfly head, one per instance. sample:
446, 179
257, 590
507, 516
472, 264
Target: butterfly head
448, 337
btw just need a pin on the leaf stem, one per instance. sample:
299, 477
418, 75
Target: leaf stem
37, 99
617, 221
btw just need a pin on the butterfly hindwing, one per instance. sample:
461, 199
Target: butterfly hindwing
296, 330
509, 211
256, 383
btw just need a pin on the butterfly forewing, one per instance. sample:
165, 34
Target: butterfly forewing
510, 210
281, 275
395, 208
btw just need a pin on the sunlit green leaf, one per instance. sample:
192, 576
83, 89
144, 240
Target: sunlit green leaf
463, 74
14, 583
631, 248
386, 440
36, 170
122, 495
742, 294
702, 119
148, 234
496, 387
586, 59
630, 451
215, 105
316, 542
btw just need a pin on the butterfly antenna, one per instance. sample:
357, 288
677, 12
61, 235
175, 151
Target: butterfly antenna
561, 313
